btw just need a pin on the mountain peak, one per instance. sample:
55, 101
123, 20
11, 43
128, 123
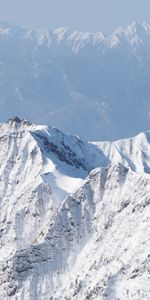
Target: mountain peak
15, 119
67, 206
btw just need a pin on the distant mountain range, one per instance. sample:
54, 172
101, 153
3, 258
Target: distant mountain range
88, 84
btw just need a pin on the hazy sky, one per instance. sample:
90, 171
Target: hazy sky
84, 15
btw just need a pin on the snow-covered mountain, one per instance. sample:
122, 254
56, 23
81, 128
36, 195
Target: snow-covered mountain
74, 220
89, 84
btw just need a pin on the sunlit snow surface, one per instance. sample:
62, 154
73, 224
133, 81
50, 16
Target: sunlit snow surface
74, 221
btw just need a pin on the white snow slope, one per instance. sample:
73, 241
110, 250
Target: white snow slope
89, 84
74, 221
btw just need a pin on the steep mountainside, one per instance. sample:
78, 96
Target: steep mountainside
38, 168
74, 220
87, 83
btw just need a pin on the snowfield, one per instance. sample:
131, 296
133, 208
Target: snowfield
74, 221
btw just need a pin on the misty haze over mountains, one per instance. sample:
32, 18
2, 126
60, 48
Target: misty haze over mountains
84, 83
